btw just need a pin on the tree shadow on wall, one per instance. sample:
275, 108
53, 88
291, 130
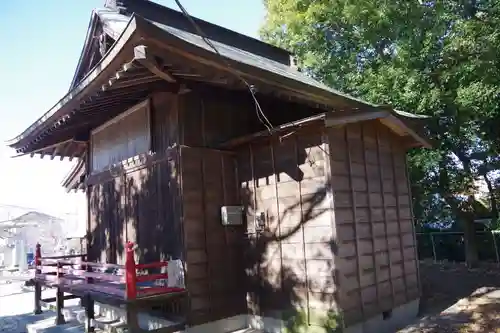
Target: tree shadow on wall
289, 277
134, 206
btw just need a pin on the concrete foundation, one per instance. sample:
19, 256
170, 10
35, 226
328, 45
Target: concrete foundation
400, 317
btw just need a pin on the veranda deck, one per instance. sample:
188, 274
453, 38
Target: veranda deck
131, 286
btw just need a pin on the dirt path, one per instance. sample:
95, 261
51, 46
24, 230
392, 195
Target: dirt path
457, 299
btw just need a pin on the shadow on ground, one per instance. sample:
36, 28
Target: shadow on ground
458, 299
18, 323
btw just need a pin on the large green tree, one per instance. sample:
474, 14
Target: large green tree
439, 58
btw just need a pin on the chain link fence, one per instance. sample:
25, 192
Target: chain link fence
450, 246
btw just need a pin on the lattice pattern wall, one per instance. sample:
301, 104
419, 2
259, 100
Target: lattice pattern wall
290, 256
376, 257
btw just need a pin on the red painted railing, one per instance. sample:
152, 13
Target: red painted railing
75, 272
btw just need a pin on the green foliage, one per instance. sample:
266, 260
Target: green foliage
438, 58
297, 321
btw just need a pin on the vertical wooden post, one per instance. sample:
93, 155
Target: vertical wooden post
89, 304
130, 274
495, 245
89, 312
38, 286
433, 248
59, 296
132, 318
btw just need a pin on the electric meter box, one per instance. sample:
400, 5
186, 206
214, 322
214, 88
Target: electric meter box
231, 215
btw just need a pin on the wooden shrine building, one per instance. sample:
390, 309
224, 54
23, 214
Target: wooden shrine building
306, 222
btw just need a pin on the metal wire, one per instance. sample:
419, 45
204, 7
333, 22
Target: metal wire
260, 114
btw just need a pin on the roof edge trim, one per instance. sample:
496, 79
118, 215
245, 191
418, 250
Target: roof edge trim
321, 93
119, 44
85, 49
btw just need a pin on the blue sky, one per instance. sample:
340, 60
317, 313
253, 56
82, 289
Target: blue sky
41, 42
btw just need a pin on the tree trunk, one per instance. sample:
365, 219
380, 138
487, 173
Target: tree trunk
468, 214
471, 253
493, 200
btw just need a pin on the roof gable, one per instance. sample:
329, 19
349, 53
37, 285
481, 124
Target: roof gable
106, 25
104, 28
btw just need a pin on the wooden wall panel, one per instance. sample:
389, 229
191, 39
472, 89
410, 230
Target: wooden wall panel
290, 260
210, 116
213, 251
165, 126
377, 265
141, 204
106, 221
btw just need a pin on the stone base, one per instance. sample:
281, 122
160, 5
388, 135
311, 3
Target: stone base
401, 316
226, 325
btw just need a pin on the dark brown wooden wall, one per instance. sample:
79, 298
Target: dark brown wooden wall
140, 202
212, 116
214, 262
376, 246
290, 261
338, 229
214, 254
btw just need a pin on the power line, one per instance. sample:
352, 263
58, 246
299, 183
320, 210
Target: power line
260, 114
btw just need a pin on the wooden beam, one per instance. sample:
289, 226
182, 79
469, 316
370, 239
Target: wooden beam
128, 66
292, 126
133, 82
41, 150
146, 59
65, 151
78, 148
54, 152
346, 117
399, 127
385, 117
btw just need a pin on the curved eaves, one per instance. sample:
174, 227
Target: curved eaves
113, 24
86, 48
410, 115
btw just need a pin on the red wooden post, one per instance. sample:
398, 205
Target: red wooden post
130, 274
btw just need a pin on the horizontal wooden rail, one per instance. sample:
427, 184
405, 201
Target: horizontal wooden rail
159, 290
151, 277
101, 265
69, 256
56, 262
121, 281
99, 288
98, 276
152, 265
48, 268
